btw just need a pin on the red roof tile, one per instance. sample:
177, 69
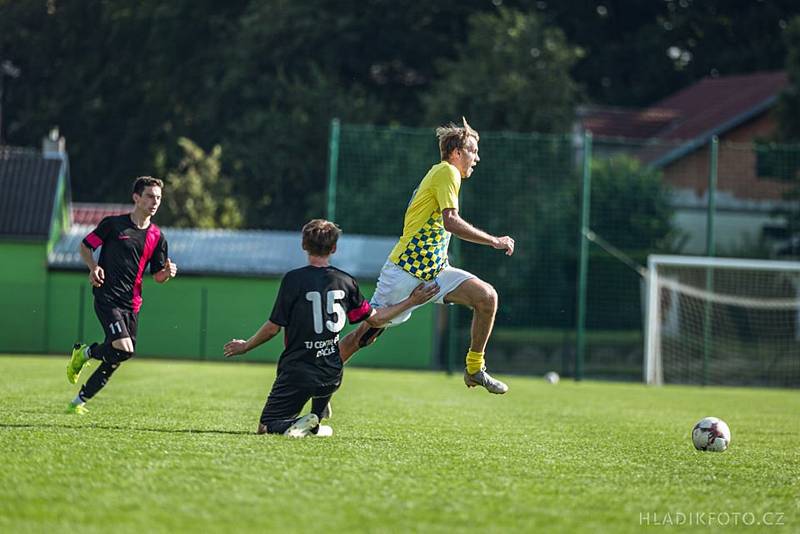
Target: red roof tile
87, 213
714, 102
710, 105
630, 123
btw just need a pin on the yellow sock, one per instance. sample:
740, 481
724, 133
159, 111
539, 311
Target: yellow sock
474, 361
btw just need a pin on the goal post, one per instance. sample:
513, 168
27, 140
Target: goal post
722, 321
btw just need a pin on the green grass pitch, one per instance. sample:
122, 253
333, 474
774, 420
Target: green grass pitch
170, 446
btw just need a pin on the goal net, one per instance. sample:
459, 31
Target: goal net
721, 321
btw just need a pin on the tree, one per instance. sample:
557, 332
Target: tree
631, 205
788, 111
122, 82
639, 52
125, 83
197, 195
511, 74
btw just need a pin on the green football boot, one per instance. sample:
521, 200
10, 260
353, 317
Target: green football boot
76, 362
77, 409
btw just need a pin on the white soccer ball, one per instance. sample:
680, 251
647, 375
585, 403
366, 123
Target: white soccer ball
552, 377
711, 434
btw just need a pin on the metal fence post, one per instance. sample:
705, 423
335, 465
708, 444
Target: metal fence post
710, 252
204, 322
583, 258
333, 167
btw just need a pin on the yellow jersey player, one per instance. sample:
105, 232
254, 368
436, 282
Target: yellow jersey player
421, 255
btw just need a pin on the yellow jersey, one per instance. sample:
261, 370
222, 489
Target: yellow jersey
422, 249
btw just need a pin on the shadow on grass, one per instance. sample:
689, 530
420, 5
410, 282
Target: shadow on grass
128, 429
163, 430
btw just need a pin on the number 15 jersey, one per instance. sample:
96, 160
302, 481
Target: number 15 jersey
313, 304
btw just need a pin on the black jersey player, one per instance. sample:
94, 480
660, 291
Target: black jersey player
129, 243
313, 304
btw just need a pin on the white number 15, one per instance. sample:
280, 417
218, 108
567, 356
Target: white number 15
332, 307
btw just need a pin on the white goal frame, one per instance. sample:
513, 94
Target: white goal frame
653, 371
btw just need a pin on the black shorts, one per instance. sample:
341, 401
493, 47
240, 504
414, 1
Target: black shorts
286, 399
116, 322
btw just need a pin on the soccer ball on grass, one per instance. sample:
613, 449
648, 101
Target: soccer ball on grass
711, 434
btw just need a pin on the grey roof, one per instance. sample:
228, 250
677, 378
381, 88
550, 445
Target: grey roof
29, 184
242, 252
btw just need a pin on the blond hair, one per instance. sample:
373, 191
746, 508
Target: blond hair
320, 236
453, 137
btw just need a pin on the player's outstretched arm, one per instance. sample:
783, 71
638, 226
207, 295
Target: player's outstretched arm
170, 270
454, 224
239, 346
421, 294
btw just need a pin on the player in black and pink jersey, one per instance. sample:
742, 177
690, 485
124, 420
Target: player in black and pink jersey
128, 244
313, 304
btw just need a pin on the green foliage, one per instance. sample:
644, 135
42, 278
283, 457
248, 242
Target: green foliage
513, 73
196, 194
788, 111
176, 443
279, 151
631, 206
522, 188
124, 83
639, 52
782, 161
380, 167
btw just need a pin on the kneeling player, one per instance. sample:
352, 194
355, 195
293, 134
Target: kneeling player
313, 303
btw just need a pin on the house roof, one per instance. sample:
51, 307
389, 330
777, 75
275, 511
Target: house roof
718, 104
92, 214
690, 117
242, 252
29, 184
628, 123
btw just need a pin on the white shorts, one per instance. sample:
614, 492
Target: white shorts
395, 284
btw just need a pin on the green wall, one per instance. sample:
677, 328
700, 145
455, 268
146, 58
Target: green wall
45, 311
23, 286
172, 319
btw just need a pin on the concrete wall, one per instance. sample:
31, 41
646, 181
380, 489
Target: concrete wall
735, 233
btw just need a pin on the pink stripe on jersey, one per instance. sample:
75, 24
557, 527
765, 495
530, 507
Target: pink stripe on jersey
150, 242
93, 240
359, 313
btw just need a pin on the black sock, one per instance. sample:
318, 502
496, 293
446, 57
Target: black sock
318, 405
279, 426
102, 351
98, 380
108, 353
